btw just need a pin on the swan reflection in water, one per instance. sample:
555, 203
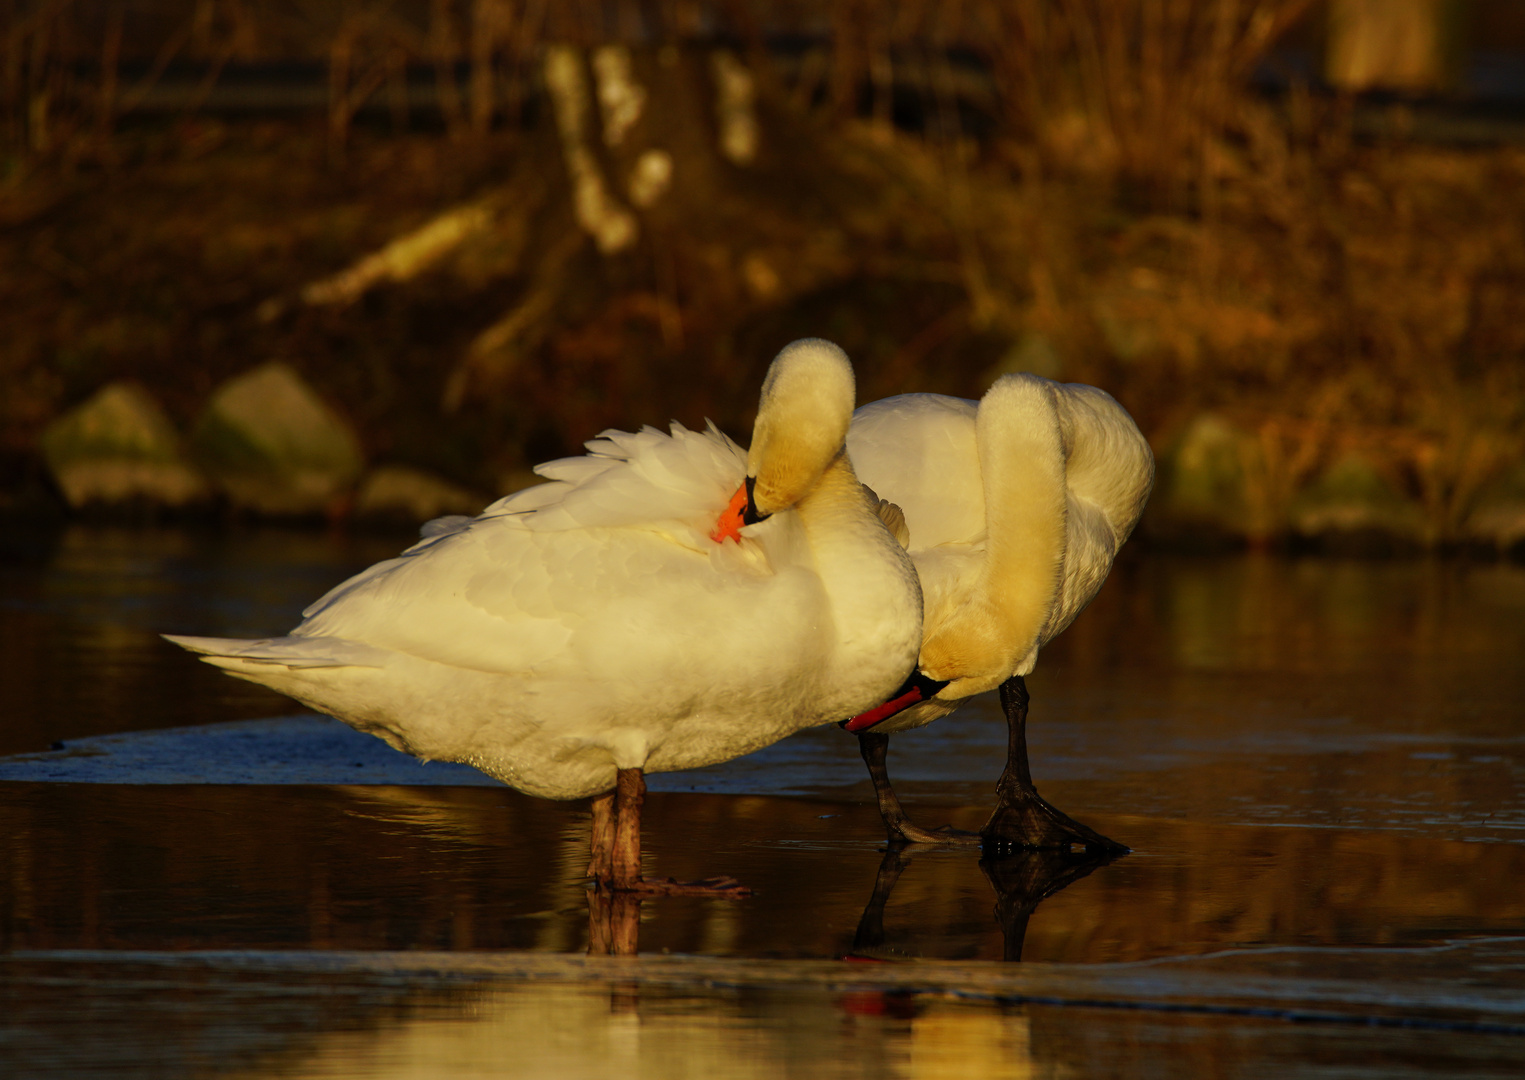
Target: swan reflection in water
1022, 880
614, 920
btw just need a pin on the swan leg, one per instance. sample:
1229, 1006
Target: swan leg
627, 799
630, 794
873, 746
1023, 819
601, 863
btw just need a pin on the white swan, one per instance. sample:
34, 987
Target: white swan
1016, 507
582, 632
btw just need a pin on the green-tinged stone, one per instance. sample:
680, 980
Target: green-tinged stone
1203, 482
1352, 496
1498, 512
119, 447
274, 446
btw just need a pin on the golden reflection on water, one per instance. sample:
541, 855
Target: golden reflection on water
1301, 753
583, 1032
1298, 751
373, 1017
81, 613
102, 866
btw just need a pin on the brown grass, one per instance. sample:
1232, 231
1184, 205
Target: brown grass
1135, 213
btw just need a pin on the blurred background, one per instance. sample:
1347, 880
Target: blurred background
347, 265
374, 259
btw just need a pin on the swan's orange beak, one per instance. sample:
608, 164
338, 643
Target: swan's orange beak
734, 517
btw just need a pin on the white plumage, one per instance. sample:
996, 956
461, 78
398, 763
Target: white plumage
1016, 506
591, 625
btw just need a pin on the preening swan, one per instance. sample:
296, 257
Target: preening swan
1016, 507
578, 634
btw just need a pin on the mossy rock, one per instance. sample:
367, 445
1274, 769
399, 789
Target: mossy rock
1203, 483
1497, 517
274, 446
1352, 498
119, 448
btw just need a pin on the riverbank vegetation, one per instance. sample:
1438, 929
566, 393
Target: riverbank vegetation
495, 228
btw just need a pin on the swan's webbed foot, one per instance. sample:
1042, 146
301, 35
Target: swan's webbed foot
614, 911
1026, 821
906, 832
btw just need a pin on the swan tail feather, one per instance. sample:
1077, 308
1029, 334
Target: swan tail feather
239, 654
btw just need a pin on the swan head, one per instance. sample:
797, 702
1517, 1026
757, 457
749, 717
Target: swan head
802, 419
967, 654
801, 428
971, 652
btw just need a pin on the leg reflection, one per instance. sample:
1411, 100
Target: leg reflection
1025, 879
868, 941
614, 920
1021, 880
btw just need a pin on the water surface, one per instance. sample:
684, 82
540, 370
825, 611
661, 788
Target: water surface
1318, 759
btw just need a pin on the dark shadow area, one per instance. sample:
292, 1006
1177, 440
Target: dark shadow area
1021, 880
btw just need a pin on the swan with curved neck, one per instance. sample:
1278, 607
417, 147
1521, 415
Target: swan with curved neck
1015, 508
581, 633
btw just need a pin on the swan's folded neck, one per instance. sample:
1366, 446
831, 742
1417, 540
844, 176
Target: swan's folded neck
1022, 469
995, 632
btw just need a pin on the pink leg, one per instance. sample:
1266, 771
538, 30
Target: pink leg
617, 817
601, 865
631, 786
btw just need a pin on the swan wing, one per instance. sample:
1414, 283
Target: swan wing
921, 451
674, 484
637, 478
498, 597
1109, 471
294, 652
918, 451
1108, 463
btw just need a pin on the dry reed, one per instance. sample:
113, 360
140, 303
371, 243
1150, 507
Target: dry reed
1130, 208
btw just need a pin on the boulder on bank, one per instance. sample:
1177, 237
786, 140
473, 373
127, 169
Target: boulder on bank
403, 494
274, 447
117, 449
1497, 518
1353, 499
1202, 490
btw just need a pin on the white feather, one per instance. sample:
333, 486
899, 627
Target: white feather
924, 453
591, 623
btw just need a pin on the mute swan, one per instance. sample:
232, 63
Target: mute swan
583, 632
1016, 507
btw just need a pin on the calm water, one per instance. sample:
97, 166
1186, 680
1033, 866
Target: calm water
1316, 760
